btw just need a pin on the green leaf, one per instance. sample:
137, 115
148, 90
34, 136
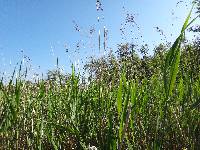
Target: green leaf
119, 98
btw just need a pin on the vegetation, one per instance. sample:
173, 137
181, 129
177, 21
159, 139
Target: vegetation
128, 102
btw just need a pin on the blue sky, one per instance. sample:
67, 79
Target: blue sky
44, 29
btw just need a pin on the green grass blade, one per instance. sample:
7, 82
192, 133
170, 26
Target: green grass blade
119, 98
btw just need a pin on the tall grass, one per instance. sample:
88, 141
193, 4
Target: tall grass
157, 113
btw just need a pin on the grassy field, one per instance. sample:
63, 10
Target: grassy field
161, 112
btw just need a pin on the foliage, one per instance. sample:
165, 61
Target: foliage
196, 28
132, 102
